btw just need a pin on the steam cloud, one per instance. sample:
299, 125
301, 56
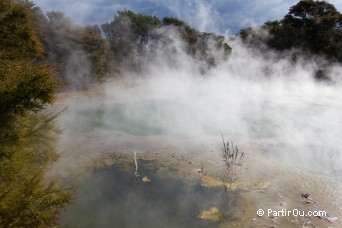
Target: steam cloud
252, 96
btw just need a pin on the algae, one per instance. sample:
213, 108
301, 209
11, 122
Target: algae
208, 181
146, 179
213, 214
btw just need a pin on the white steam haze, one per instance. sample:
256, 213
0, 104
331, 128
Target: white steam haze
251, 97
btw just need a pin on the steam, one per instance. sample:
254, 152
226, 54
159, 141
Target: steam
251, 97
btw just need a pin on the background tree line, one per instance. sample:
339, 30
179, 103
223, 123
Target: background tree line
85, 54
311, 28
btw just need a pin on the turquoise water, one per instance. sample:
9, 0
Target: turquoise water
139, 118
303, 130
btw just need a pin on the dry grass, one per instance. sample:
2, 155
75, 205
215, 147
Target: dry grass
231, 154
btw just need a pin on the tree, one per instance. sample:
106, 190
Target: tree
94, 47
129, 33
316, 25
312, 26
27, 139
24, 84
16, 29
77, 52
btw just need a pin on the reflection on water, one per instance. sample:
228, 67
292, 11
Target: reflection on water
110, 197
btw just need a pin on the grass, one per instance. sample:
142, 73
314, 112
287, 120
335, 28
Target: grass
231, 154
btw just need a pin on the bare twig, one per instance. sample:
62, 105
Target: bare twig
136, 163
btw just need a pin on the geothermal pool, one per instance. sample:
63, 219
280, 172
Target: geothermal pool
110, 197
291, 135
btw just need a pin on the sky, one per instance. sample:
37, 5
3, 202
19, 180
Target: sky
222, 16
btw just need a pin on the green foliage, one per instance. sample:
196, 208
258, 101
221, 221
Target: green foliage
307, 10
24, 86
313, 26
68, 46
26, 149
17, 37
27, 139
94, 47
73, 49
129, 33
59, 38
178, 23
128, 26
140, 23
285, 38
174, 21
28, 146
125, 34
188, 34
31, 203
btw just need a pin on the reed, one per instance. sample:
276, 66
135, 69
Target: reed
231, 154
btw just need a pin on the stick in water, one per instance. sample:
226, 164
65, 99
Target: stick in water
136, 163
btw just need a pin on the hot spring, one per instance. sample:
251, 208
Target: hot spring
288, 125
291, 138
